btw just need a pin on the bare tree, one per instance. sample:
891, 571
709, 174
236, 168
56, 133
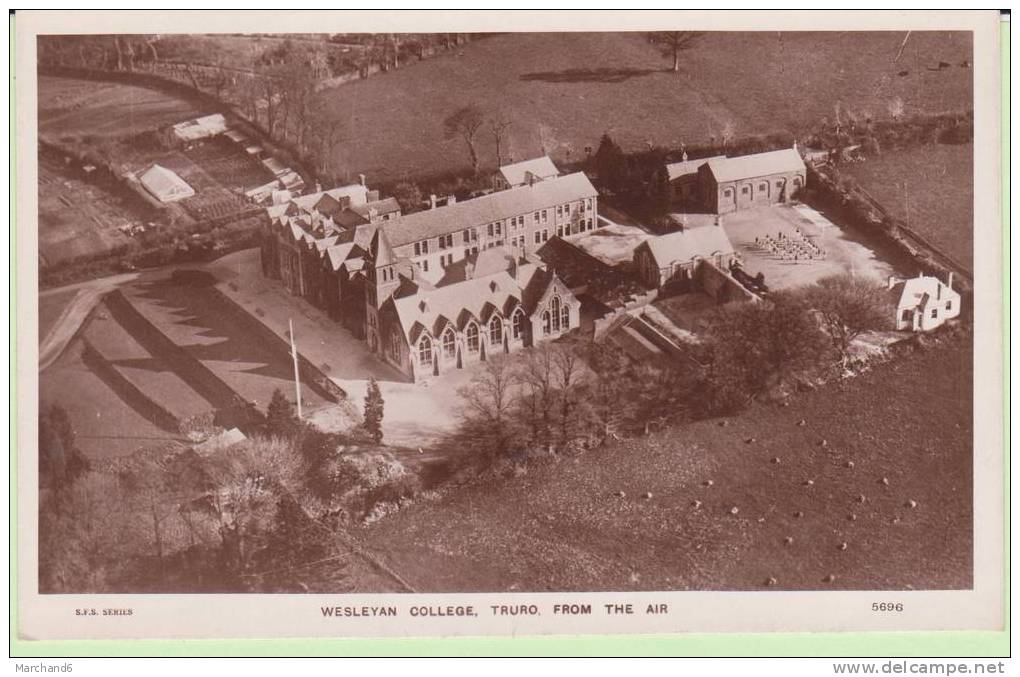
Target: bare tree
849, 305
465, 123
487, 415
568, 377
500, 128
672, 43
537, 399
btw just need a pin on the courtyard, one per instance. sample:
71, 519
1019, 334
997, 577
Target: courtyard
841, 253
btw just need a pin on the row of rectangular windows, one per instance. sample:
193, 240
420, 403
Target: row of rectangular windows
495, 229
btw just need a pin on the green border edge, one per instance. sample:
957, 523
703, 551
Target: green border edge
914, 644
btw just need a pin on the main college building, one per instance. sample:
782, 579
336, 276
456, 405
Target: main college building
437, 289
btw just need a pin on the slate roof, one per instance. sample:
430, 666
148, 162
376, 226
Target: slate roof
488, 208
387, 205
516, 173
305, 203
759, 164
458, 303
675, 170
916, 291
685, 245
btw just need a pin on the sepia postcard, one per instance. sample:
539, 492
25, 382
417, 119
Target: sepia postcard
418, 324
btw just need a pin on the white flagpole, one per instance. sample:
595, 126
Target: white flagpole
297, 374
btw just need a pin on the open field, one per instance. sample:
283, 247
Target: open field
931, 188
70, 108
79, 218
560, 526
104, 424
562, 91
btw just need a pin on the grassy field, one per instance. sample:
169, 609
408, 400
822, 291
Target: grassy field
931, 188
562, 526
70, 108
562, 91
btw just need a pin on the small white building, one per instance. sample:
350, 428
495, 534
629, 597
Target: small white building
924, 302
164, 184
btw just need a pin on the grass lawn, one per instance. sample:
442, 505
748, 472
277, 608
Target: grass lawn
561, 526
70, 108
562, 91
931, 188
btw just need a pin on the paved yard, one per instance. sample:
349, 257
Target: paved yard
415, 414
843, 253
612, 244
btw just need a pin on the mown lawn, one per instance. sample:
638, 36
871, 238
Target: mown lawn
931, 188
562, 526
562, 91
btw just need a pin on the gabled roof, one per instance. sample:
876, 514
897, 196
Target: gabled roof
675, 170
355, 192
488, 208
759, 164
541, 167
164, 184
388, 205
916, 291
688, 244
200, 128
456, 302
382, 252
338, 253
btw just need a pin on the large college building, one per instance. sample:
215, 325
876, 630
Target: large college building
440, 288
723, 184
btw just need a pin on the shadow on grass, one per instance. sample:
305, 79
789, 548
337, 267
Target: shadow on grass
610, 75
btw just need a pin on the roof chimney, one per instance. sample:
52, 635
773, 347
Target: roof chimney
432, 201
892, 281
795, 144
685, 155
949, 280
318, 187
361, 179
718, 220
451, 199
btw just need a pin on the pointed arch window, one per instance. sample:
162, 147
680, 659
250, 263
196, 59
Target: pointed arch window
564, 317
517, 324
554, 310
495, 330
425, 350
472, 337
449, 343
546, 323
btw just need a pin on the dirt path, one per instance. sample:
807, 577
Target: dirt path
68, 324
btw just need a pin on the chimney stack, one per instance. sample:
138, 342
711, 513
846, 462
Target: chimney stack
451, 200
432, 201
361, 179
892, 281
795, 145
949, 280
685, 155
318, 187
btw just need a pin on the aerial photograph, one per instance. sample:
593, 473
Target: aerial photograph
505, 312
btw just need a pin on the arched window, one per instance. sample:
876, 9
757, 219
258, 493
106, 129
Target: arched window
472, 338
546, 326
495, 330
517, 323
425, 350
565, 317
554, 310
449, 343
